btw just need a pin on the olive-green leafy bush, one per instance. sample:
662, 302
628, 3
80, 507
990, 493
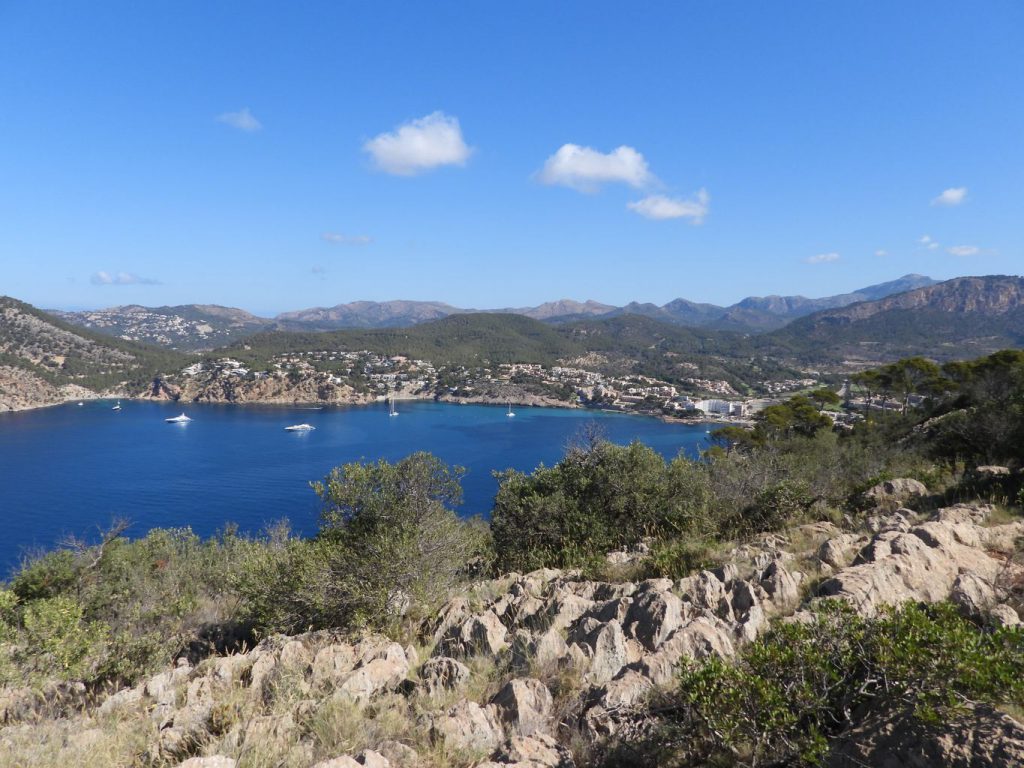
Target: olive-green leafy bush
785, 695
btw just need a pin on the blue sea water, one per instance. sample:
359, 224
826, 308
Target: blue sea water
73, 469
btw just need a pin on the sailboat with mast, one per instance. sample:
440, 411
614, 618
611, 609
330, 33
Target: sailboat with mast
392, 411
510, 413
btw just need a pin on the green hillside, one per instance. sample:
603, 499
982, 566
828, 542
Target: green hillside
61, 353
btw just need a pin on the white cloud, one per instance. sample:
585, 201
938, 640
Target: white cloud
928, 242
963, 250
585, 169
950, 197
336, 238
822, 258
243, 120
120, 278
881, 252
661, 207
420, 145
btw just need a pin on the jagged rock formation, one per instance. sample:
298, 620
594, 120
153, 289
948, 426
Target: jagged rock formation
516, 670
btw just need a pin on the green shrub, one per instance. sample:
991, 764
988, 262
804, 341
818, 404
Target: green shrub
52, 574
598, 498
785, 695
59, 638
389, 541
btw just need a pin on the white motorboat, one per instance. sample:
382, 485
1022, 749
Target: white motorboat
178, 419
117, 407
300, 428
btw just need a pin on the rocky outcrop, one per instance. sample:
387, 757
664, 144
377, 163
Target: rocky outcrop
514, 669
979, 738
895, 493
925, 562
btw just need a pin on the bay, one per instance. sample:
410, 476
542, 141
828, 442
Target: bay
71, 470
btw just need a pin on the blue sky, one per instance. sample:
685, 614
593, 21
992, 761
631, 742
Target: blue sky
280, 156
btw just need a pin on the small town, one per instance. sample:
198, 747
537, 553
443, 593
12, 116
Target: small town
380, 377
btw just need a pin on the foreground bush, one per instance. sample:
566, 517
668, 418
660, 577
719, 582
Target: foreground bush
598, 498
115, 611
786, 694
601, 497
389, 541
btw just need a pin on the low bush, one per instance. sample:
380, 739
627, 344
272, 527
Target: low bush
785, 695
389, 542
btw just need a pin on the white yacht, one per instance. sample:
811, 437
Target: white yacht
117, 407
300, 428
178, 419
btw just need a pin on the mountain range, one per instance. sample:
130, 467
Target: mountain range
45, 359
204, 326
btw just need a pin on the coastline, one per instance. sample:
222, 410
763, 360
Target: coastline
531, 402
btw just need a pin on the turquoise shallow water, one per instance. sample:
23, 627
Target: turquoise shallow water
71, 469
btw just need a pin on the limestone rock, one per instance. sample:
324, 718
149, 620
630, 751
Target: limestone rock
379, 674
1004, 616
838, 552
537, 751
368, 758
566, 609
980, 738
468, 726
610, 653
780, 585
972, 595
654, 614
614, 699
398, 754
121, 700
482, 634
216, 761
524, 706
442, 673
451, 614
343, 761
707, 593
921, 565
331, 663
895, 492
699, 638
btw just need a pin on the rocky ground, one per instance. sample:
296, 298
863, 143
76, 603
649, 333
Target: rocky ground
533, 670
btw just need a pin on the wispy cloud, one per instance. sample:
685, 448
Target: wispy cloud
881, 252
336, 238
928, 242
420, 145
822, 258
661, 207
585, 169
243, 120
121, 278
950, 197
963, 250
